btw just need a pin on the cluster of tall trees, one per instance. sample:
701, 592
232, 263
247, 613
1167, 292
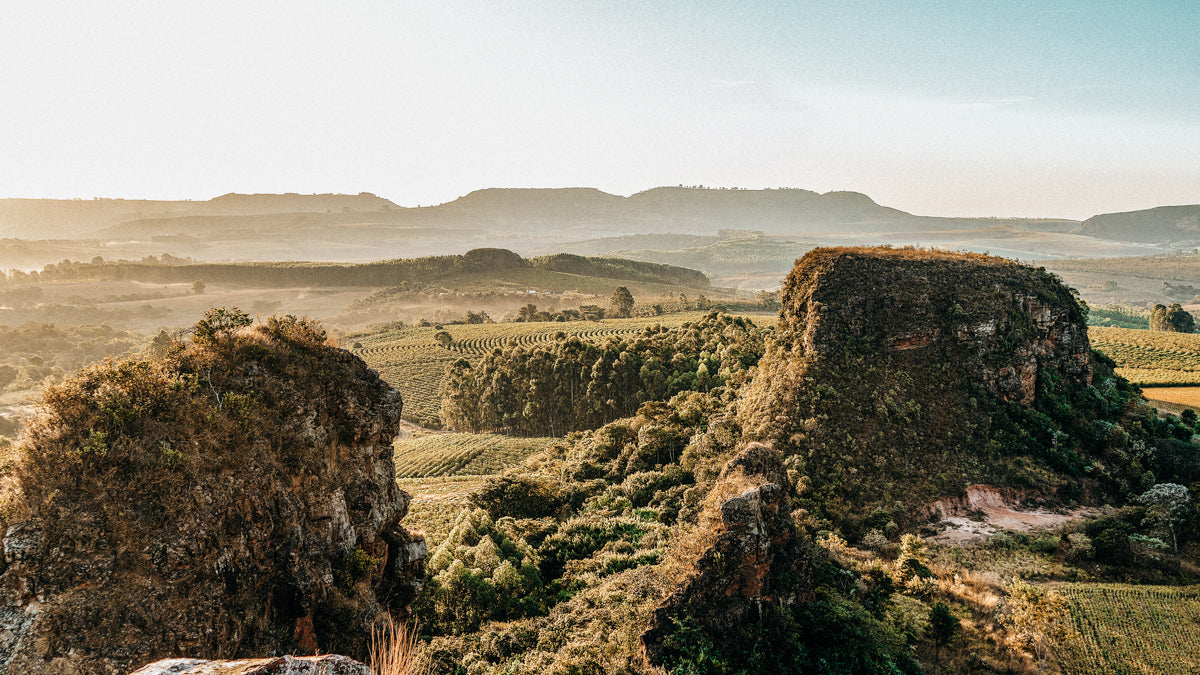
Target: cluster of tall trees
1173, 318
549, 390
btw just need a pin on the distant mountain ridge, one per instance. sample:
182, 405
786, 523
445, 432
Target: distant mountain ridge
584, 211
1159, 225
74, 218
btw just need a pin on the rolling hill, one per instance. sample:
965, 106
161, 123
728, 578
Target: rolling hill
584, 211
1160, 225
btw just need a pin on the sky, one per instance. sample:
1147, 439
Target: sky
963, 108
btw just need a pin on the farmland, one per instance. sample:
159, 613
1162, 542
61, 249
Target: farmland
441, 470
439, 455
1174, 399
1132, 629
438, 503
1150, 358
412, 360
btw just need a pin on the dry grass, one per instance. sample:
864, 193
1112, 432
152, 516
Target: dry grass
394, 649
1186, 397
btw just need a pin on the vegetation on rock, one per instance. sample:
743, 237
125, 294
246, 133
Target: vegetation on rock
232, 497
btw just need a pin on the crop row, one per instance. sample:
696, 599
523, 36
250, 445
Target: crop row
461, 454
1131, 629
1147, 357
486, 345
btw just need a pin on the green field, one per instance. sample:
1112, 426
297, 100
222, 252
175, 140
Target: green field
412, 361
1150, 358
1132, 629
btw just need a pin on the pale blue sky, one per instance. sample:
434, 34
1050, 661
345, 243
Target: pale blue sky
944, 108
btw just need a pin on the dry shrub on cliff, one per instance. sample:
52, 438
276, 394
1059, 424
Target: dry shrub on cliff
690, 542
394, 649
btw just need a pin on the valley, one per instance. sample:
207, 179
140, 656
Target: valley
604, 438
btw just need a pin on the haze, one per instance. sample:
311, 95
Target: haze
1049, 109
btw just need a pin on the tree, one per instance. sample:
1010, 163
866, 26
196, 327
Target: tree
591, 312
912, 565
1174, 319
767, 299
477, 317
942, 627
198, 287
527, 313
219, 322
622, 302
1168, 505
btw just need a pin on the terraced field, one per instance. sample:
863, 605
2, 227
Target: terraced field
441, 470
412, 361
1132, 629
437, 504
438, 455
1150, 358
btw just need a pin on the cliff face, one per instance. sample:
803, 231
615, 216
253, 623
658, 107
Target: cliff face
233, 498
997, 320
892, 369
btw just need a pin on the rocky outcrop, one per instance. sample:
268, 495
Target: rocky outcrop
751, 560
899, 376
280, 665
235, 498
1001, 320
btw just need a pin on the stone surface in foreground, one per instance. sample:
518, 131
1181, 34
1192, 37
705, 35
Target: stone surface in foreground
281, 665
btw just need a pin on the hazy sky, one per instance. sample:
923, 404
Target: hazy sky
943, 108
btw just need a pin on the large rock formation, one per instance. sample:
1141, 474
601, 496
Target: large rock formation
233, 498
752, 563
998, 320
900, 375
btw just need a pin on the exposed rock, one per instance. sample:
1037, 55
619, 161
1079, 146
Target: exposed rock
330, 664
898, 300
895, 374
753, 558
986, 510
234, 499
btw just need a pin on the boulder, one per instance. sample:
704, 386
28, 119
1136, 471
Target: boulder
329, 664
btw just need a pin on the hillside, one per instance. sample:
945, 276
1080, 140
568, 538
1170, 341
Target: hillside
1174, 266
384, 273
896, 378
1160, 225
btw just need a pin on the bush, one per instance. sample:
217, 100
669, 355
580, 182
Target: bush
518, 496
